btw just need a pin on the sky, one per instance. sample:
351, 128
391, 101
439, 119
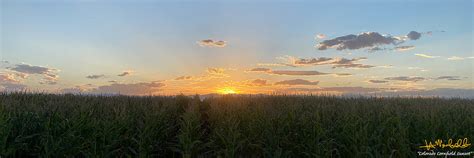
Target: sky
152, 47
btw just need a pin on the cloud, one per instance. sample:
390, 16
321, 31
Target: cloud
320, 36
349, 63
184, 78
427, 56
362, 40
215, 70
8, 78
29, 69
413, 35
356, 90
296, 73
257, 82
260, 70
406, 78
297, 82
211, 43
142, 88
95, 76
455, 58
24, 70
377, 81
417, 68
125, 73
397, 48
370, 40
335, 62
450, 78
404, 48
343, 74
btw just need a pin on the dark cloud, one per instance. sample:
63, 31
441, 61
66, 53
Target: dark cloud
297, 82
49, 74
413, 35
143, 88
370, 40
377, 81
362, 40
450, 78
212, 43
125, 73
376, 49
406, 78
183, 78
343, 74
95, 76
29, 69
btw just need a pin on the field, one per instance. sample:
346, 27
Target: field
49, 125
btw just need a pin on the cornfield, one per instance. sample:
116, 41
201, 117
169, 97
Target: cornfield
53, 125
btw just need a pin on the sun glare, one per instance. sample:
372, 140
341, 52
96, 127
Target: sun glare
227, 90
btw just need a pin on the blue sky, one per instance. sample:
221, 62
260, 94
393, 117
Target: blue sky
157, 41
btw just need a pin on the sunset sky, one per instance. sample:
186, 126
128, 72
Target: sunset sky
147, 47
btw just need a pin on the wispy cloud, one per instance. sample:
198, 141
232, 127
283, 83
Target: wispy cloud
334, 62
142, 88
212, 43
377, 81
95, 76
125, 73
320, 36
297, 82
455, 58
184, 78
257, 82
406, 78
356, 90
404, 48
427, 56
297, 73
294, 72
450, 78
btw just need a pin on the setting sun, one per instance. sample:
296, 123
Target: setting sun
227, 90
